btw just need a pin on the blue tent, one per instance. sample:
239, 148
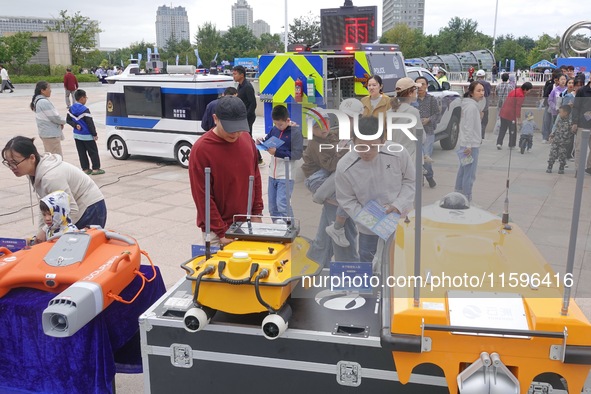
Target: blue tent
543, 64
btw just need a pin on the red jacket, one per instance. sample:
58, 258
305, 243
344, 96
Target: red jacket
231, 164
511, 109
70, 81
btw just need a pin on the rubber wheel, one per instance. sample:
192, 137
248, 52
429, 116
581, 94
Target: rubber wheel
118, 148
453, 132
182, 152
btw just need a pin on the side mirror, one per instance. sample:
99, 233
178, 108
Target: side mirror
431, 88
445, 85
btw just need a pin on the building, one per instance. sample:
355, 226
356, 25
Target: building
408, 12
260, 27
242, 14
171, 23
15, 24
54, 48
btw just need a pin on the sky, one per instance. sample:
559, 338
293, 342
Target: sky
125, 22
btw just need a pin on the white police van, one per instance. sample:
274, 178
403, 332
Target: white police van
159, 115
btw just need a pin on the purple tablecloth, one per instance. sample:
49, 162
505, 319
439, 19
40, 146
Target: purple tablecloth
86, 362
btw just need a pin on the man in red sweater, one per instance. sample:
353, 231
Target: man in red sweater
231, 154
511, 114
70, 85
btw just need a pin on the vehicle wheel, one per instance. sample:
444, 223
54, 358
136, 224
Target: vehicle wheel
453, 131
182, 151
118, 148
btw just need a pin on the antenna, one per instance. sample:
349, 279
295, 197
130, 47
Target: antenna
418, 213
249, 207
207, 213
287, 192
505, 219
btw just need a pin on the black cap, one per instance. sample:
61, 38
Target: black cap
231, 112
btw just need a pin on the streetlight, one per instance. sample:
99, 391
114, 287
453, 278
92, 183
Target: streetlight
285, 29
495, 28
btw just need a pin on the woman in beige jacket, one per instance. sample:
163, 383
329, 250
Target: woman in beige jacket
376, 102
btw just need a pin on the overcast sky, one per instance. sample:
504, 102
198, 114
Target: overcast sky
124, 22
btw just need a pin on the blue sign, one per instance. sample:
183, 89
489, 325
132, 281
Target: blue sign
350, 276
13, 244
247, 62
199, 250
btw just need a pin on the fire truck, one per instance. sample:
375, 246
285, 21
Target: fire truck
304, 78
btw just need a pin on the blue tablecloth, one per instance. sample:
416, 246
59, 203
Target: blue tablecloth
86, 362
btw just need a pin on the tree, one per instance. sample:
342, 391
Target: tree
412, 42
268, 43
305, 30
458, 36
209, 42
238, 42
510, 49
546, 48
81, 31
182, 48
17, 49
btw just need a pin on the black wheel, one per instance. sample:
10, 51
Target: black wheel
118, 148
453, 131
182, 152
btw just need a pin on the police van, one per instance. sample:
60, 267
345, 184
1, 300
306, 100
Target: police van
331, 76
159, 115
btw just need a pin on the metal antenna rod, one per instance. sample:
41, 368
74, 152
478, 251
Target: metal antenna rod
207, 213
418, 213
287, 191
249, 207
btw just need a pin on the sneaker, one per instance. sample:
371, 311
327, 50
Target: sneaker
431, 182
338, 236
529, 150
261, 163
87, 172
97, 172
561, 170
549, 170
428, 159
588, 170
499, 147
280, 221
544, 141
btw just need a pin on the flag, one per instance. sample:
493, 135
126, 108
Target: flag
149, 54
139, 58
216, 56
177, 59
156, 50
199, 62
122, 63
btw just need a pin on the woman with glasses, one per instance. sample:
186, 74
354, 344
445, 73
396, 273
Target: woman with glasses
49, 122
49, 173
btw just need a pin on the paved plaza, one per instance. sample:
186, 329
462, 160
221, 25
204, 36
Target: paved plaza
150, 199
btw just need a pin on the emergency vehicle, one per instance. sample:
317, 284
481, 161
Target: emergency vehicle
159, 115
303, 79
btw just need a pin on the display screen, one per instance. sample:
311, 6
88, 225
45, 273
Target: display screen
348, 25
143, 100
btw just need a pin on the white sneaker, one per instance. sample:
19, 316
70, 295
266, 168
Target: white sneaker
338, 236
499, 147
428, 159
544, 141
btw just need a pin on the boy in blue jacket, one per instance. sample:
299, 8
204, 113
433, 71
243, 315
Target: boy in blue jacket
85, 136
293, 147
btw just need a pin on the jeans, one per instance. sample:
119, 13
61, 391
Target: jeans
96, 214
428, 150
546, 124
278, 198
368, 245
323, 248
467, 175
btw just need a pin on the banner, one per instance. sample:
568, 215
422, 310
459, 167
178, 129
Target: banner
199, 62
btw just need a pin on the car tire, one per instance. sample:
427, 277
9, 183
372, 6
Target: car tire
453, 132
118, 148
182, 152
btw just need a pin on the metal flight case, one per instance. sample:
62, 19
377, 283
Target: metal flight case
332, 345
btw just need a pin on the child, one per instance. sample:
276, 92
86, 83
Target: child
55, 210
526, 140
84, 134
320, 162
560, 136
292, 148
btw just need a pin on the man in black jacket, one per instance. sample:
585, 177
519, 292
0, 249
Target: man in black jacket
247, 95
581, 118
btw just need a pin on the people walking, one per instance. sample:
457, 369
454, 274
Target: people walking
49, 122
5, 80
70, 86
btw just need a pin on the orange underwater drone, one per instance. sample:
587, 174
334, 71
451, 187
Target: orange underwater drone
89, 268
254, 274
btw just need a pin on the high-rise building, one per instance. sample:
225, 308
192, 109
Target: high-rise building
260, 27
15, 24
171, 23
241, 14
408, 12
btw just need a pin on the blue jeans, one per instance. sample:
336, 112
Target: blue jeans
467, 175
278, 198
96, 214
428, 150
323, 248
368, 244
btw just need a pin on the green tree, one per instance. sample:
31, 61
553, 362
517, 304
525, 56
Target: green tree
238, 42
510, 49
268, 43
93, 58
546, 48
458, 36
17, 49
81, 30
412, 42
209, 42
182, 48
305, 30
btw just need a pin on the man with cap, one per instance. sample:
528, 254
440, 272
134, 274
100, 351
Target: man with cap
231, 154
481, 77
